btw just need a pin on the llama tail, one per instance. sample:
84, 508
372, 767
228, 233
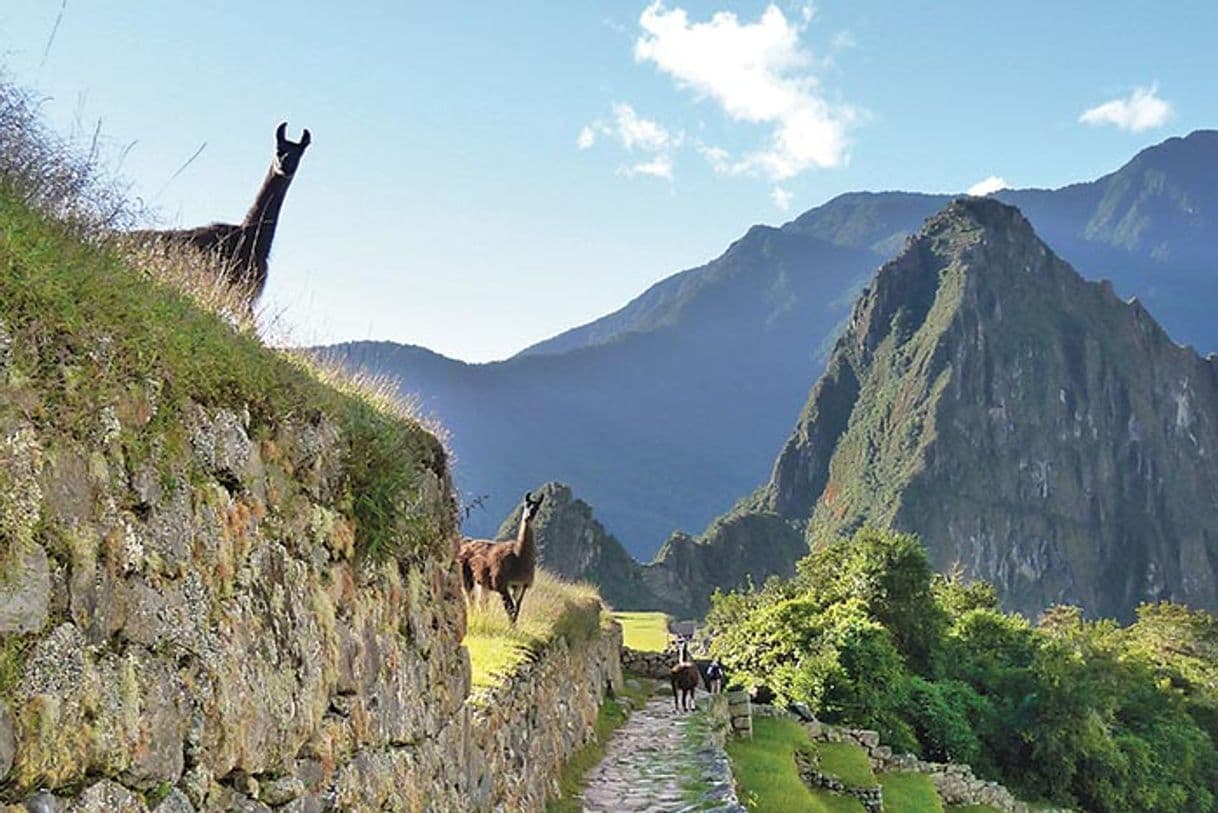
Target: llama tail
467, 576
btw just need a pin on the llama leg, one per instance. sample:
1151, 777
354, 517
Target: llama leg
675, 704
508, 606
517, 599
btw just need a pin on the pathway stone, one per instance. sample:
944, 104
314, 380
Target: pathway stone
660, 761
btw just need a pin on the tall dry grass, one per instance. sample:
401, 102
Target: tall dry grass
551, 609
70, 183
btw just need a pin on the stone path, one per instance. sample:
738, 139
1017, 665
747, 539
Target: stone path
662, 762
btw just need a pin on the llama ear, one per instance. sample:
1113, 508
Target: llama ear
305, 139
281, 132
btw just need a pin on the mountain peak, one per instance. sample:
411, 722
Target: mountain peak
983, 395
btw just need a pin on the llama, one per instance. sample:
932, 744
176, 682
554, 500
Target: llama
507, 568
242, 250
684, 677
712, 677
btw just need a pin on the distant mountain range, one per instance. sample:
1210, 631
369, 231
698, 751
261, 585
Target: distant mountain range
663, 413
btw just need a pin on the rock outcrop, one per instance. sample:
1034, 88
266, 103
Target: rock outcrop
1028, 425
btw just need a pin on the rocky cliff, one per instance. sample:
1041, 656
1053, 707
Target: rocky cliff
1028, 425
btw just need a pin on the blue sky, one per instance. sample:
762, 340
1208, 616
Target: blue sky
483, 176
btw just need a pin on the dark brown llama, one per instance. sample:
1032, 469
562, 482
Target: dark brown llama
684, 677
242, 250
507, 568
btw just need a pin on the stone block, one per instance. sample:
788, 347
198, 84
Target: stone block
25, 590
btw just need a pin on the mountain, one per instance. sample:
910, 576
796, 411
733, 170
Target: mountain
572, 543
1030, 426
664, 412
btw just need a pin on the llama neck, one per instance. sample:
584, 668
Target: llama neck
263, 216
524, 545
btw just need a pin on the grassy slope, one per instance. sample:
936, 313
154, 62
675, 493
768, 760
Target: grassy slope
91, 336
766, 779
647, 632
848, 763
910, 793
549, 610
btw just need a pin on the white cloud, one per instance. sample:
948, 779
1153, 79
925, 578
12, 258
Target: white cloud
1143, 110
781, 198
987, 186
636, 131
758, 72
658, 167
636, 134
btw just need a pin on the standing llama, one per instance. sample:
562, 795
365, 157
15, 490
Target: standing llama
507, 568
684, 677
242, 250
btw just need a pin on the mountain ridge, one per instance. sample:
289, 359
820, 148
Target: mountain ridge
1027, 423
672, 408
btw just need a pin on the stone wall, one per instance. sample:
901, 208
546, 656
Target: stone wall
954, 782
655, 665
530, 726
192, 629
196, 618
807, 763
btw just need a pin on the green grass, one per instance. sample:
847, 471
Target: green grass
973, 809
848, 763
766, 778
646, 632
90, 334
550, 609
571, 781
910, 793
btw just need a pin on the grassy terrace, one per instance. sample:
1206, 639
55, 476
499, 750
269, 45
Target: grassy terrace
90, 335
767, 780
847, 762
646, 632
765, 771
551, 609
910, 793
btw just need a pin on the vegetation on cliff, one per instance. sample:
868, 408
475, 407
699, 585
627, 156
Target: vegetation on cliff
1084, 713
97, 339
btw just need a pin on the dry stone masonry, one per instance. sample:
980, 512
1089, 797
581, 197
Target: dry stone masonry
192, 628
954, 782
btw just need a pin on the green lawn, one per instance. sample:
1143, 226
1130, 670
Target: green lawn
973, 809
910, 793
847, 762
765, 772
646, 632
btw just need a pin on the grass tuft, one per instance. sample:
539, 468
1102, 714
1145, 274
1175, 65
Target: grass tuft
551, 609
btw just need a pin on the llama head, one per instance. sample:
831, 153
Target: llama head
288, 153
531, 505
